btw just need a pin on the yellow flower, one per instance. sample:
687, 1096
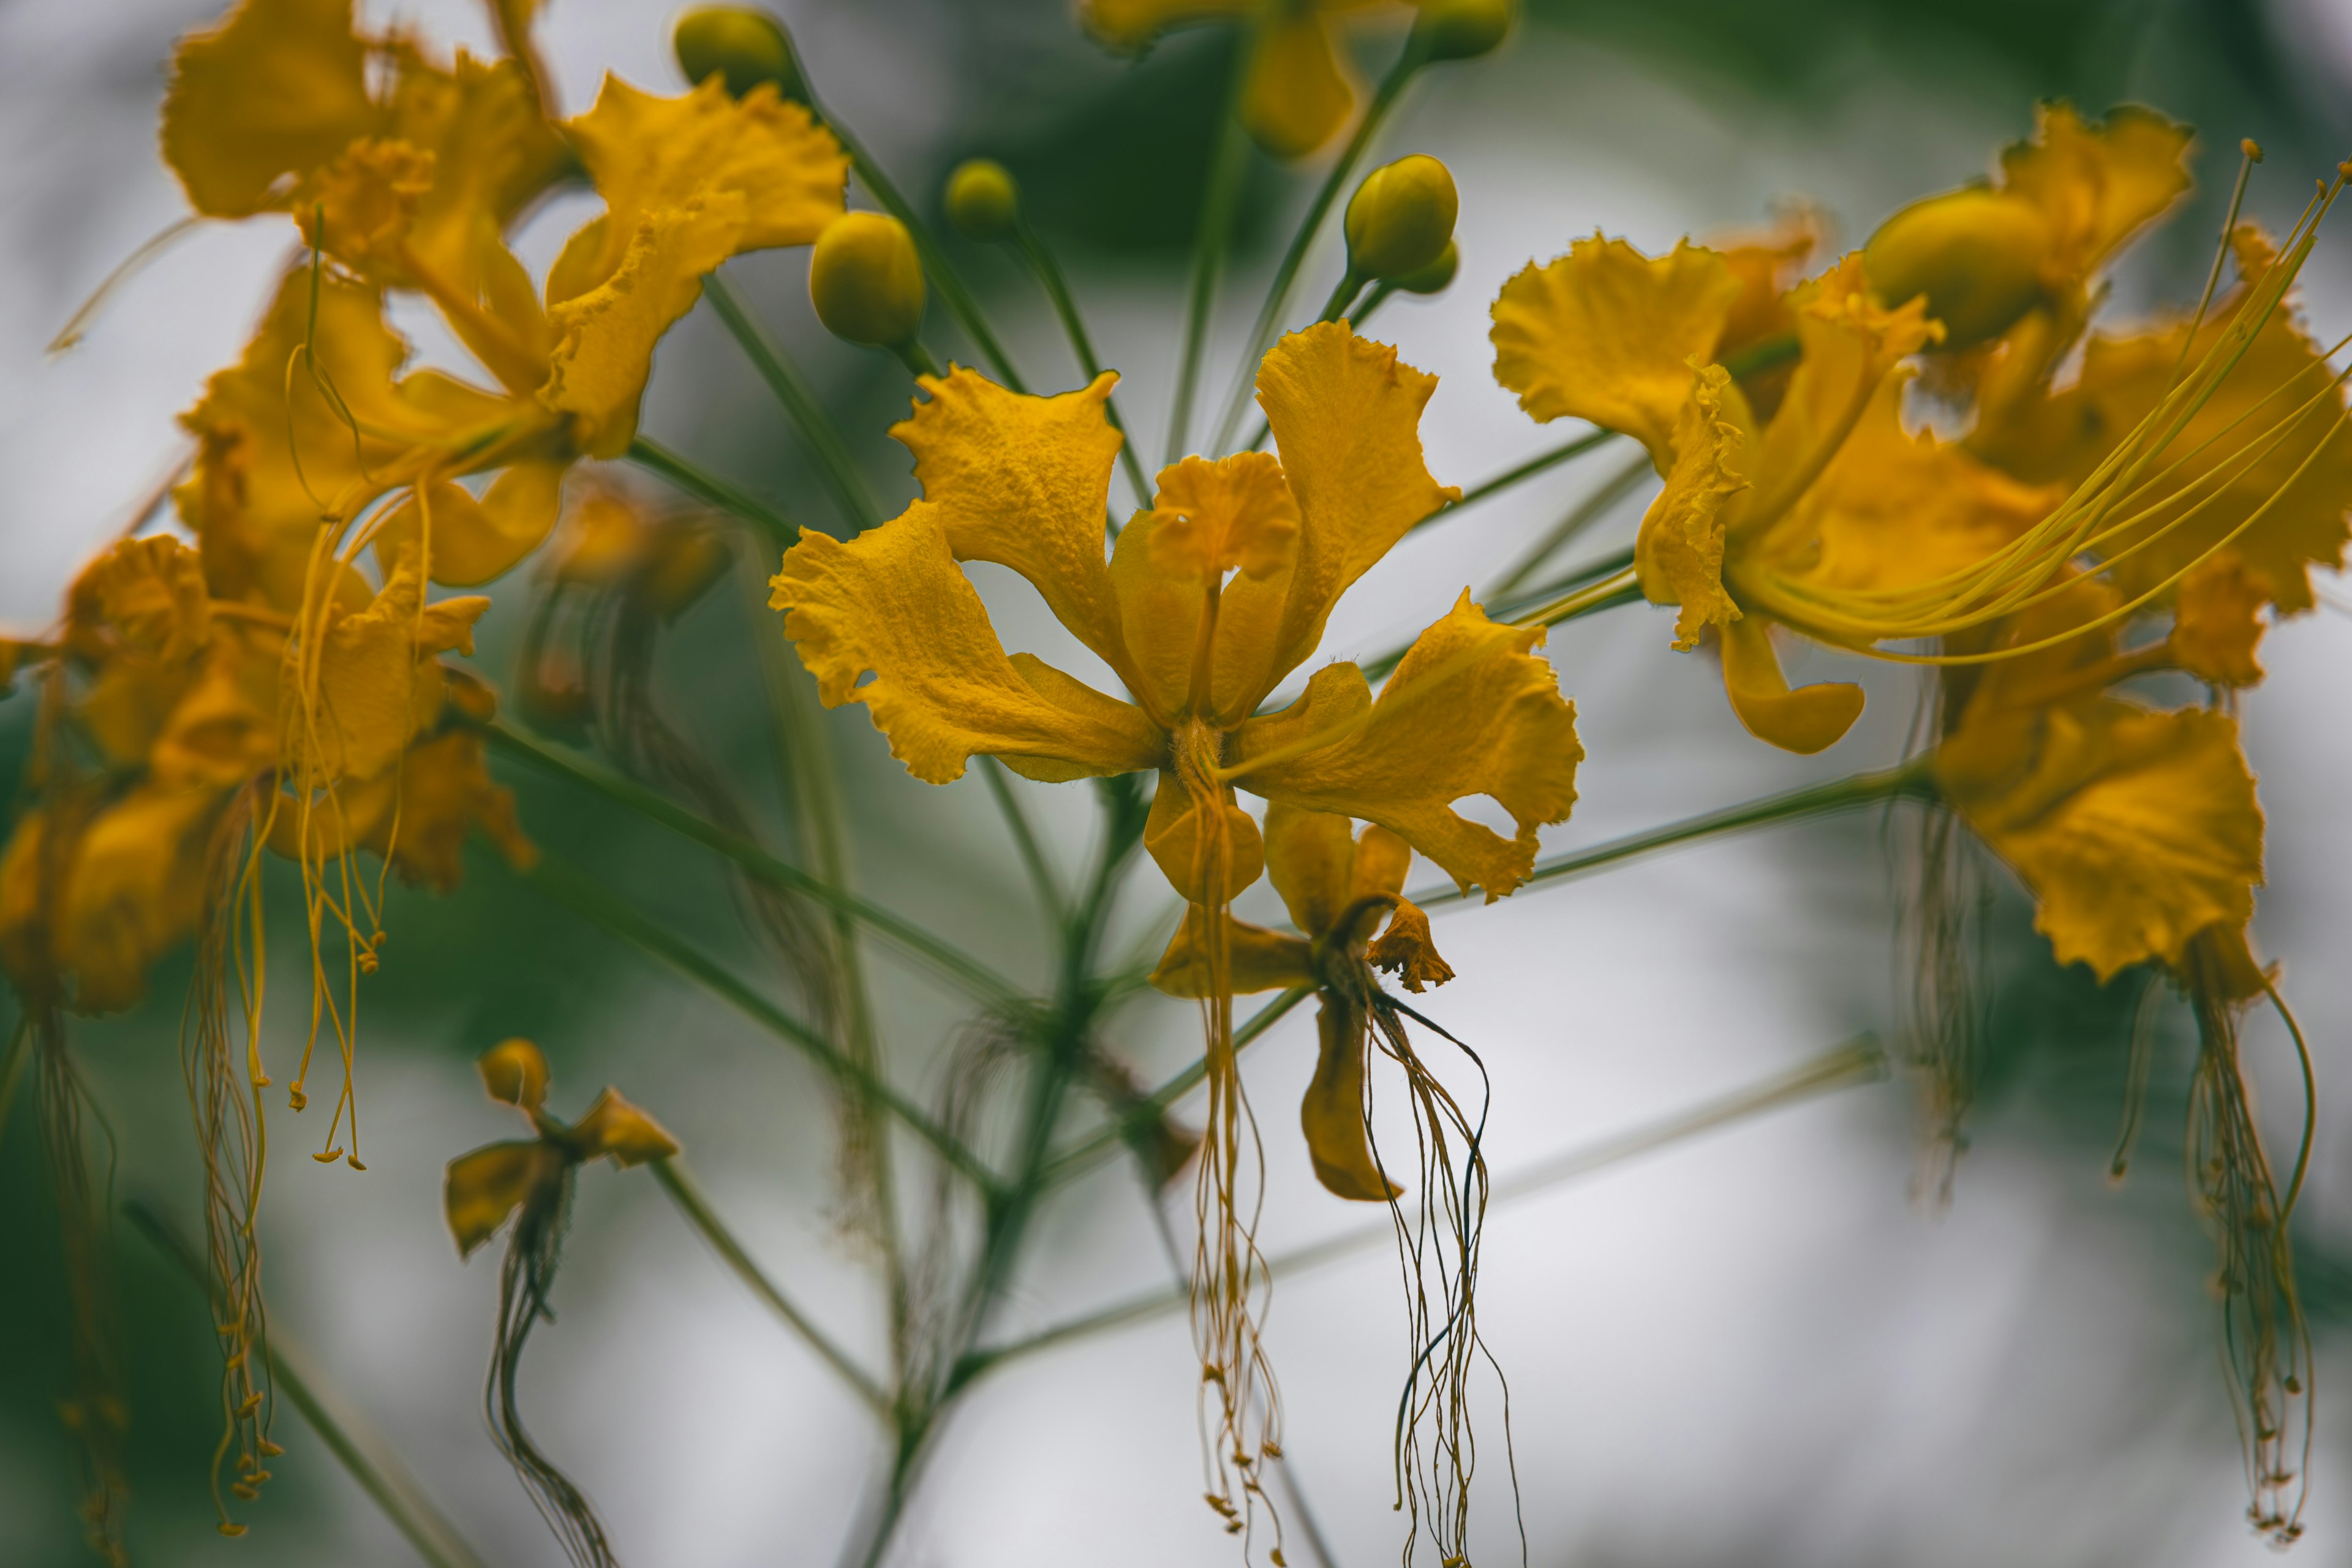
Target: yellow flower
1300, 90
2136, 830
485, 1188
1830, 496
1337, 885
1211, 599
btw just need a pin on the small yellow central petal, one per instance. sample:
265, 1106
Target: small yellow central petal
1237, 511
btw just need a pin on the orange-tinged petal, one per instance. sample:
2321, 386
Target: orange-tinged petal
1408, 951
274, 92
893, 601
2218, 622
1606, 334
515, 1073
1256, 959
1192, 839
615, 1127
1346, 416
1679, 553
483, 1188
1470, 710
1022, 481
648, 153
1332, 1114
1807, 720
2133, 831
1298, 93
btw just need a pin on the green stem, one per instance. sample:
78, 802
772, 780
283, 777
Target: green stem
1858, 1061
1285, 274
1227, 162
1526, 470
1024, 838
712, 490
695, 1205
916, 358
363, 1454
1619, 587
1591, 510
1057, 288
1613, 571
575, 892
964, 969
11, 1068
822, 436
1088, 1152
938, 270
1814, 800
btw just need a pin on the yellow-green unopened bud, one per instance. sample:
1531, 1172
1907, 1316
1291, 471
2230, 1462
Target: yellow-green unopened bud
744, 45
1463, 29
982, 200
1435, 277
865, 281
1976, 254
1401, 218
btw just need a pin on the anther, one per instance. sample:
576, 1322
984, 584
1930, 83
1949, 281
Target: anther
2251, 149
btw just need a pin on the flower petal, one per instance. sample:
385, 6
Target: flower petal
2218, 623
1346, 415
615, 1127
514, 1072
1408, 951
1679, 553
474, 539
1332, 1114
893, 601
375, 683
2098, 185
483, 1188
277, 91
1190, 849
1470, 710
1256, 959
1808, 720
1606, 334
1298, 93
1023, 481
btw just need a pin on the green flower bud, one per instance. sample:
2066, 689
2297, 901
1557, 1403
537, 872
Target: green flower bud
744, 45
866, 281
1463, 29
1977, 255
1401, 218
982, 200
1435, 277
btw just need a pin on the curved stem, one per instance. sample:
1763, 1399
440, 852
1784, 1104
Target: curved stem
1277, 294
1058, 290
822, 436
1226, 164
712, 490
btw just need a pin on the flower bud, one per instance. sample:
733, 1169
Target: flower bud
983, 201
865, 281
745, 46
1977, 255
1435, 277
1463, 29
1401, 218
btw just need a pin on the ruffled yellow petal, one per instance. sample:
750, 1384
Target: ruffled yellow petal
2063, 437
648, 153
2097, 184
375, 684
514, 1072
475, 538
605, 337
615, 1127
256, 104
1256, 960
1470, 710
2217, 623
2133, 831
223, 731
1346, 416
1192, 840
1679, 553
1022, 481
1606, 334
893, 602
1298, 93
1332, 1114
1807, 720
94, 912
417, 815
1408, 951
483, 1188
493, 154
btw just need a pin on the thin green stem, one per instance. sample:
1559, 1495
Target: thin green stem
966, 971
1586, 512
916, 358
1858, 1061
1065, 305
11, 1068
575, 892
1541, 463
712, 490
1088, 1152
1285, 273
1227, 162
363, 1454
1814, 800
1621, 587
1612, 570
1024, 838
818, 432
695, 1205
